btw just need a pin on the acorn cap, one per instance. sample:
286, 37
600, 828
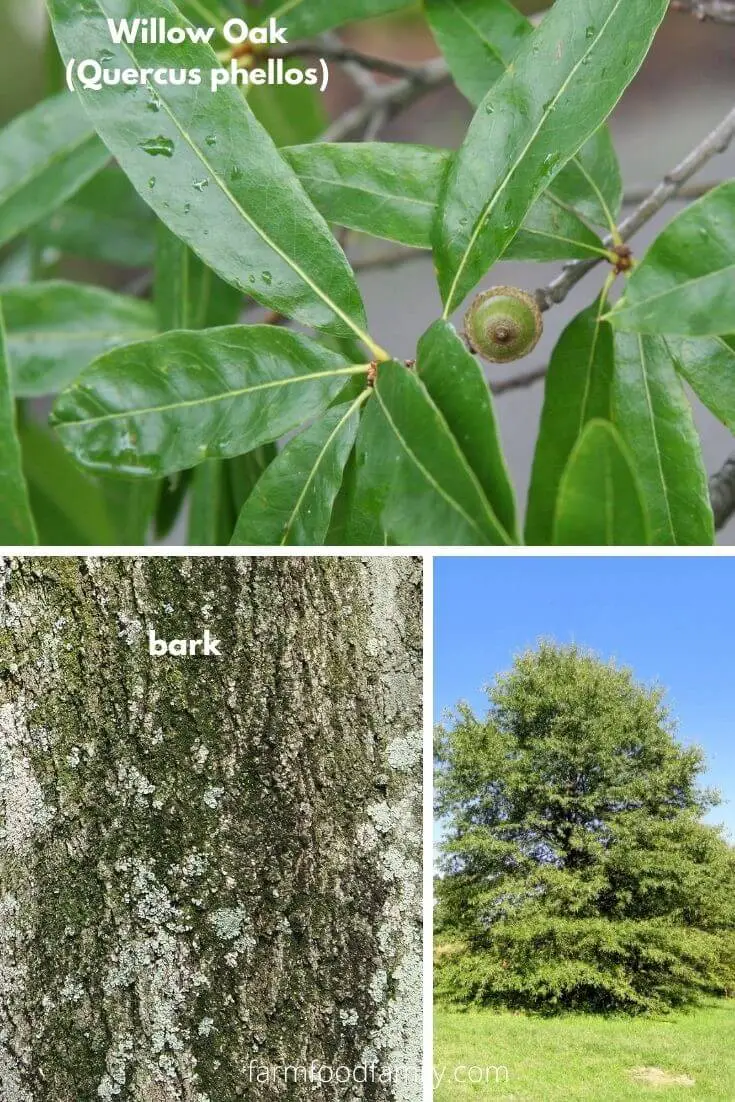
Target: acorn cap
503, 324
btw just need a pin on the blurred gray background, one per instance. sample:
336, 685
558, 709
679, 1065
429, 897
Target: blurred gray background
685, 87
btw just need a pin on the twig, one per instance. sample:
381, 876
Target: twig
334, 50
393, 98
722, 492
636, 195
528, 378
716, 141
713, 11
388, 258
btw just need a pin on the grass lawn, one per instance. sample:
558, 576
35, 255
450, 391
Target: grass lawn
585, 1058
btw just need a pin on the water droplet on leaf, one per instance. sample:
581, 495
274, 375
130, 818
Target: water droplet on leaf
267, 278
158, 147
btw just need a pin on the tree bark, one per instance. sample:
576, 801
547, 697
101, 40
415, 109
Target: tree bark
210, 867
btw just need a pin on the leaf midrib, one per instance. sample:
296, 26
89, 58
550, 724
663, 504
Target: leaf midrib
36, 174
643, 303
188, 403
337, 310
575, 160
427, 474
508, 176
659, 463
319, 460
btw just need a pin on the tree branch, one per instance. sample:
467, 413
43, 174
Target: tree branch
714, 11
389, 98
716, 141
635, 195
334, 50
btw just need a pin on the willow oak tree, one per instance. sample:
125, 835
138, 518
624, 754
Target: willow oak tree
576, 871
210, 867
277, 437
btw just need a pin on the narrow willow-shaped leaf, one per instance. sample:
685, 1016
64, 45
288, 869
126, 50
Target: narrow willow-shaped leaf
456, 385
163, 405
16, 520
653, 416
480, 39
292, 502
392, 191
46, 155
56, 329
565, 80
69, 506
685, 283
384, 189
599, 502
577, 389
708, 365
213, 176
302, 18
106, 220
431, 494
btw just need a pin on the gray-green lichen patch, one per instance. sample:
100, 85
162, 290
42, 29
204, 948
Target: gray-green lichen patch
206, 861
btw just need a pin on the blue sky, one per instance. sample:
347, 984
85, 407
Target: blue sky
669, 619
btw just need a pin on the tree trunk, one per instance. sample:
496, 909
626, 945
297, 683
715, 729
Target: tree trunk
210, 867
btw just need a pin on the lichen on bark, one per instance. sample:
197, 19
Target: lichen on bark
210, 868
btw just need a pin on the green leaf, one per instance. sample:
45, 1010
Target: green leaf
564, 82
578, 388
391, 191
188, 295
552, 231
591, 182
456, 385
212, 173
106, 220
295, 114
356, 512
132, 504
685, 283
292, 502
599, 502
170, 403
68, 504
45, 156
387, 190
209, 504
303, 18
16, 520
427, 492
651, 413
480, 39
708, 365
56, 329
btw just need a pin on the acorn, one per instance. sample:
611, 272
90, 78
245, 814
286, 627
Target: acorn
503, 324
